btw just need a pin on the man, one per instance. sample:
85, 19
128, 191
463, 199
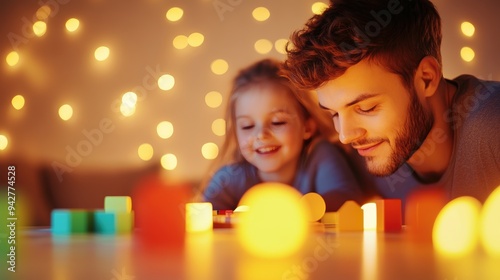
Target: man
376, 66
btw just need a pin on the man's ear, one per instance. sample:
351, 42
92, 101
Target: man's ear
310, 127
427, 76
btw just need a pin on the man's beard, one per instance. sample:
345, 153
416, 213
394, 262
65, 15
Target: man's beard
417, 126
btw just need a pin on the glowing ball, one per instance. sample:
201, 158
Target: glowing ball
369, 216
276, 224
316, 205
455, 230
199, 216
490, 224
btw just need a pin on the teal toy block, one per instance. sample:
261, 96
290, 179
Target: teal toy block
113, 223
117, 204
71, 221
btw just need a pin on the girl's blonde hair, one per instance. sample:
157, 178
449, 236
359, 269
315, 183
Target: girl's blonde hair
267, 72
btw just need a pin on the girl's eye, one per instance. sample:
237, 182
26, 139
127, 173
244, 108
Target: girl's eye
246, 127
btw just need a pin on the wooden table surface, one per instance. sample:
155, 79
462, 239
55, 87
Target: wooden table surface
218, 255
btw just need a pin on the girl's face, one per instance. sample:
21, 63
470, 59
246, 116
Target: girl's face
270, 130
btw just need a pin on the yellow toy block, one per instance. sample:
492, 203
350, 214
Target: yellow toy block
113, 204
113, 222
350, 217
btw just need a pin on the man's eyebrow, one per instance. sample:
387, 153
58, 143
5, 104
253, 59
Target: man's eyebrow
358, 99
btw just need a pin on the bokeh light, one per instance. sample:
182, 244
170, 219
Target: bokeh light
165, 129
261, 14
101, 53
72, 24
195, 39
209, 150
18, 102
213, 99
467, 28
318, 7
280, 45
263, 46
490, 224
166, 82
39, 28
65, 112
127, 110
4, 142
455, 231
180, 42
174, 14
219, 66
219, 127
43, 12
169, 161
272, 228
467, 54
12, 58
145, 151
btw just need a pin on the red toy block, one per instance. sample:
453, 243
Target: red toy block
389, 216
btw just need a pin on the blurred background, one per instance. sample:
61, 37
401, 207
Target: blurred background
130, 83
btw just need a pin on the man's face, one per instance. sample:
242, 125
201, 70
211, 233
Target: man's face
376, 114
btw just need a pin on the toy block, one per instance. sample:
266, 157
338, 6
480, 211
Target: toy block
315, 204
389, 216
113, 222
159, 210
422, 208
69, 221
350, 217
117, 204
199, 216
369, 216
329, 219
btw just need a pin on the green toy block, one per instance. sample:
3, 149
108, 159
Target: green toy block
113, 223
69, 221
117, 204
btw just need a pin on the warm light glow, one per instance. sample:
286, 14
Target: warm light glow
468, 28
273, 228
467, 54
129, 98
369, 216
219, 127
219, 66
280, 45
174, 14
165, 129
18, 102
145, 151
213, 99
169, 161
166, 82
72, 24
180, 42
241, 208
12, 58
101, 53
315, 204
65, 112
127, 110
209, 150
490, 224
263, 46
199, 216
318, 7
261, 14
43, 12
4, 142
39, 28
455, 230
195, 39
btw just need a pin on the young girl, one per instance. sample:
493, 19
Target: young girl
277, 133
